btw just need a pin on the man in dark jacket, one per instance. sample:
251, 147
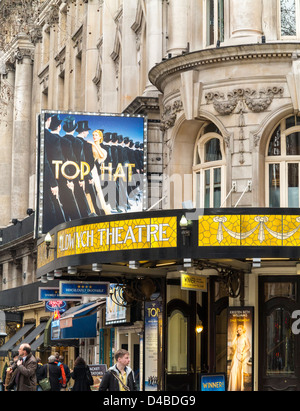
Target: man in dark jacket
119, 377
24, 370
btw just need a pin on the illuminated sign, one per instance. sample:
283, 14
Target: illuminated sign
193, 282
57, 305
91, 164
55, 330
52, 293
56, 315
79, 289
261, 230
118, 235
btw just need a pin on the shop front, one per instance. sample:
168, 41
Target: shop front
198, 280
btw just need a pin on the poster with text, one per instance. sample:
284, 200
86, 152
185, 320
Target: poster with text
240, 348
152, 311
89, 165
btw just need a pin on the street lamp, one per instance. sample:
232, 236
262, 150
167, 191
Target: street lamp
185, 226
48, 241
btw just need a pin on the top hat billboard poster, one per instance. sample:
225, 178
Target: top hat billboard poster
89, 165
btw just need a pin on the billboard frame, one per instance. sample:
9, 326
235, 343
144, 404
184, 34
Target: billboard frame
40, 157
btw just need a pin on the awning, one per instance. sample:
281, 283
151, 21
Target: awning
8, 346
37, 343
79, 311
56, 343
80, 321
31, 337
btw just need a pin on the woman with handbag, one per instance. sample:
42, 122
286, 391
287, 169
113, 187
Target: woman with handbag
82, 376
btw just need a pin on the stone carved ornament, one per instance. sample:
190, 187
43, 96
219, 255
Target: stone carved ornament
239, 100
169, 114
256, 101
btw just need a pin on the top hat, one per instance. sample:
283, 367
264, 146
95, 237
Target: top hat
82, 126
107, 137
114, 137
69, 124
55, 122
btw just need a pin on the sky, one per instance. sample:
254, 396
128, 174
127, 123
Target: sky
132, 127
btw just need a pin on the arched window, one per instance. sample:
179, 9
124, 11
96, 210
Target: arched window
282, 164
209, 168
177, 342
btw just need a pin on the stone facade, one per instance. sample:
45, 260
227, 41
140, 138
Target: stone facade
96, 56
228, 73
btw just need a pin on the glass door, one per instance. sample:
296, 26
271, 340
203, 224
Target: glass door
279, 347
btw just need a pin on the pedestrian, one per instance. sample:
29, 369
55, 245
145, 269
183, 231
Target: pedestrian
7, 375
67, 372
120, 376
54, 373
82, 376
24, 370
10, 384
63, 379
38, 373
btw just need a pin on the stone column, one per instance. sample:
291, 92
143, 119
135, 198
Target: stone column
6, 131
92, 36
108, 90
21, 129
130, 68
246, 18
154, 40
177, 27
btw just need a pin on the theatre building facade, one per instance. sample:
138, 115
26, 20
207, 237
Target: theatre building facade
150, 158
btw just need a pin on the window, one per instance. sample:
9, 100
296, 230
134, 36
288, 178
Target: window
214, 21
209, 168
177, 342
289, 11
282, 165
280, 343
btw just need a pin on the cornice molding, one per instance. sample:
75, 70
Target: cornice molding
224, 55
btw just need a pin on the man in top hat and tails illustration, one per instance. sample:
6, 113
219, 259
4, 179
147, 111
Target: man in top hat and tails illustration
58, 148
69, 126
52, 206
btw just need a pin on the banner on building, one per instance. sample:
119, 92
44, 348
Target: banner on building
52, 293
89, 165
240, 344
152, 311
83, 289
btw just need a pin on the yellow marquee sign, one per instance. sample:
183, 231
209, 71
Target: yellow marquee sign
117, 236
249, 230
